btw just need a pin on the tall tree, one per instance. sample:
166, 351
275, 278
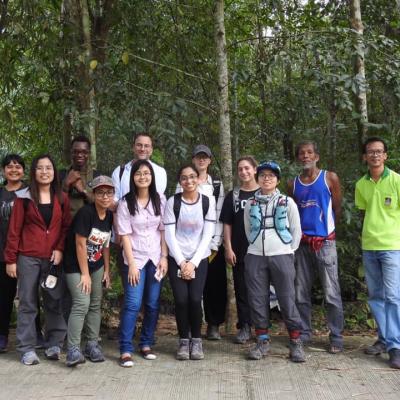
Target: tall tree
224, 129
359, 71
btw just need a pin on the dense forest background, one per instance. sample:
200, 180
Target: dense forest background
296, 69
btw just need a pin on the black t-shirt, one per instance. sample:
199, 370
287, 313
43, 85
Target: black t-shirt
98, 232
232, 214
6, 204
46, 211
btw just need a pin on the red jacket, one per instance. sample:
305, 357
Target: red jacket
28, 233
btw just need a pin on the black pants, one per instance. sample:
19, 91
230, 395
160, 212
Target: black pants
187, 296
242, 302
215, 290
8, 289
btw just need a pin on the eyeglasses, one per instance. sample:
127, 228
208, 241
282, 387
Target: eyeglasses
185, 178
378, 152
269, 177
108, 193
142, 174
47, 168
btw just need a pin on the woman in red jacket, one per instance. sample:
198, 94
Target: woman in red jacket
37, 230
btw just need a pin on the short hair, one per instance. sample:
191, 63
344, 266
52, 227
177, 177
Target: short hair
371, 140
81, 138
9, 158
178, 175
249, 159
138, 134
306, 143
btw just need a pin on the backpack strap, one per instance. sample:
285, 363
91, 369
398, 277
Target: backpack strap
121, 171
235, 198
205, 204
216, 189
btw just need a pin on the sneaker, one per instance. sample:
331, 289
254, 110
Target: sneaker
74, 356
213, 332
53, 353
335, 348
30, 358
243, 335
377, 348
296, 351
126, 361
93, 351
394, 358
148, 354
183, 350
260, 350
3, 343
196, 349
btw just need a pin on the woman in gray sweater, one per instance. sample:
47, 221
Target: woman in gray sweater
272, 226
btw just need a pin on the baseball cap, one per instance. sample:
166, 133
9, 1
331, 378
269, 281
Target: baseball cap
201, 148
272, 166
101, 180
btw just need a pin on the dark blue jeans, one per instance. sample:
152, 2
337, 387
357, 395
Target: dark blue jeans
147, 291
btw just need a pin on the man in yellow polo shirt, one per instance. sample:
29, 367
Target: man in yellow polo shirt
378, 197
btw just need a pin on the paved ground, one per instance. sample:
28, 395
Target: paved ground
224, 374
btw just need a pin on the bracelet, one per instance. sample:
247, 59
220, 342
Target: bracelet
164, 255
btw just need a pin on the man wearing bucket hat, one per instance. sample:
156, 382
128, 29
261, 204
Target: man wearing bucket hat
318, 196
272, 226
87, 266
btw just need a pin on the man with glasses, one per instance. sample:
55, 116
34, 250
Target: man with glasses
377, 195
142, 150
318, 196
76, 178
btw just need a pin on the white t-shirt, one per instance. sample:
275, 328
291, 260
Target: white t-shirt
122, 185
207, 188
189, 238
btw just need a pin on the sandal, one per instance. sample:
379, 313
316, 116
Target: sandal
148, 354
334, 349
126, 361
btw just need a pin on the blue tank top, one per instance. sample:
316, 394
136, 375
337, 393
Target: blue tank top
314, 201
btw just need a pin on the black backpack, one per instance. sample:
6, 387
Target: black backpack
205, 202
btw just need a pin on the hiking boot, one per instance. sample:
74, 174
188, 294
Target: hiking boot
213, 332
30, 358
93, 351
183, 350
3, 343
243, 335
74, 356
296, 351
196, 349
260, 350
394, 358
377, 348
53, 353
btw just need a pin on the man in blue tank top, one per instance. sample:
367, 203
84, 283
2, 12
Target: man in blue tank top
318, 196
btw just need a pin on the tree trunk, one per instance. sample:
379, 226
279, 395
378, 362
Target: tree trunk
91, 101
224, 133
359, 72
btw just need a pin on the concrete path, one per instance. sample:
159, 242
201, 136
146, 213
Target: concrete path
224, 374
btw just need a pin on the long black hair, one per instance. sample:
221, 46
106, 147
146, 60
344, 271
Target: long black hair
55, 187
131, 197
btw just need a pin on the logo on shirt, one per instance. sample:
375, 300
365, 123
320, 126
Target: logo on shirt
95, 243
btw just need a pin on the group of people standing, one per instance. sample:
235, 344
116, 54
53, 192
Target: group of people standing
268, 237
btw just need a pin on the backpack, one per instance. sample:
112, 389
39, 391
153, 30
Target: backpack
205, 202
279, 214
216, 189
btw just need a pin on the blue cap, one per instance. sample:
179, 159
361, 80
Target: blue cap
272, 166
